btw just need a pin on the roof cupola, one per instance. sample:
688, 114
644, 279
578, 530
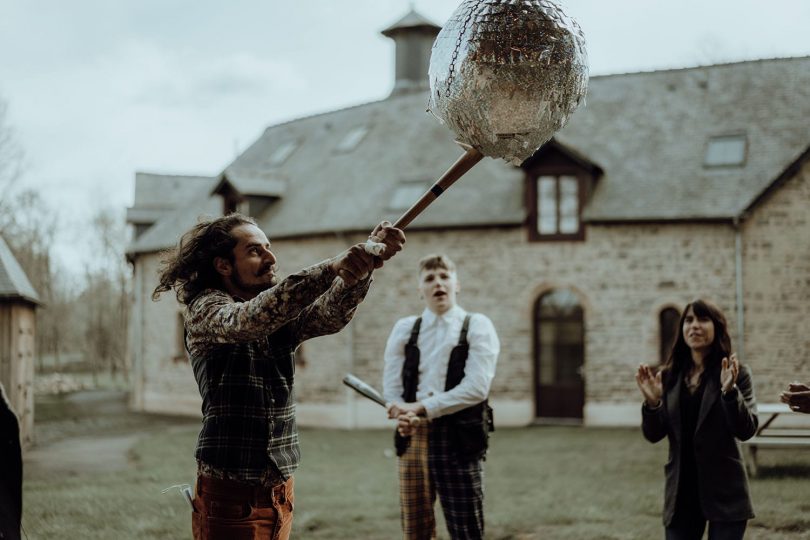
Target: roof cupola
413, 35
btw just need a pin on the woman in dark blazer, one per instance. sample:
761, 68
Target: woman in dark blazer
702, 400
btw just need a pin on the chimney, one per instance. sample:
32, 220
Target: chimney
413, 35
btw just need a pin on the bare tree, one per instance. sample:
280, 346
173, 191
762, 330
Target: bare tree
92, 319
11, 159
107, 295
29, 228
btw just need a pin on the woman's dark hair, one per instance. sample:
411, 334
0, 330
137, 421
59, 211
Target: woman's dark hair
680, 357
189, 268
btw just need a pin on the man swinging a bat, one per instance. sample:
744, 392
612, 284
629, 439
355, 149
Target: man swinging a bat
242, 325
440, 366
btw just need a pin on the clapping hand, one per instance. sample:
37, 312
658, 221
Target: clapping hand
797, 397
729, 369
650, 385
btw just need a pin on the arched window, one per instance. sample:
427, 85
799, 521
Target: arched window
668, 330
559, 355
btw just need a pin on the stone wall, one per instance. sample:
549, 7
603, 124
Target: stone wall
623, 275
777, 287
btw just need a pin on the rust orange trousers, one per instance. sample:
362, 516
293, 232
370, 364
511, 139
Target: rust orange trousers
229, 510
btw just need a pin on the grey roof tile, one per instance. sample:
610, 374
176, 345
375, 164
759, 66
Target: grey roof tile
13, 281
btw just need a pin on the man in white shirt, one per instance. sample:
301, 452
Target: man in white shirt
439, 366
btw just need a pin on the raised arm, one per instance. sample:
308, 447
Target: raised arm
332, 311
214, 317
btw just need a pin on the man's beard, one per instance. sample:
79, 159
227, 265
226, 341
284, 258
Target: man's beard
254, 288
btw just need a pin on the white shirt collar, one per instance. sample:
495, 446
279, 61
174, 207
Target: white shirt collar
455, 313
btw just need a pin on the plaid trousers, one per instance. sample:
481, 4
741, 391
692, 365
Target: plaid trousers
429, 467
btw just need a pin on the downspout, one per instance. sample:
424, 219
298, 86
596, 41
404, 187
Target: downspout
136, 323
738, 270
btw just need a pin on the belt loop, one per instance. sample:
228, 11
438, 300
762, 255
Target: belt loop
282, 493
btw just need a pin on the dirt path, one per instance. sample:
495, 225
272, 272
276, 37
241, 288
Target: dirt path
89, 432
81, 455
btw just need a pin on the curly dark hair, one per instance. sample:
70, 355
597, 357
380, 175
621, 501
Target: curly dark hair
680, 357
189, 268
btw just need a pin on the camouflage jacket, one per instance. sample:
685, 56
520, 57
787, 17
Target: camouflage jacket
242, 356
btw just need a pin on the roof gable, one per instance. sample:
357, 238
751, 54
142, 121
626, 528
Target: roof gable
555, 154
789, 172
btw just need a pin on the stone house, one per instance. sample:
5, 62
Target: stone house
18, 303
669, 185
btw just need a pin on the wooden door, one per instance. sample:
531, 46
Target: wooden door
559, 355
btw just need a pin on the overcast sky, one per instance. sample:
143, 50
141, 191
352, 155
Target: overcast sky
97, 90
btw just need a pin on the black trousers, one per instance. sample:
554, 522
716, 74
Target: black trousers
692, 527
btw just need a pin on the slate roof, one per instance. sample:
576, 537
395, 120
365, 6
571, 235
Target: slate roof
14, 284
647, 131
167, 190
159, 194
167, 231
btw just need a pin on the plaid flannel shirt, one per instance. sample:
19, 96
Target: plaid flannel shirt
242, 356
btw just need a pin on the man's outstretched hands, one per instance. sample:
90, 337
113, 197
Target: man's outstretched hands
357, 262
353, 265
385, 241
650, 385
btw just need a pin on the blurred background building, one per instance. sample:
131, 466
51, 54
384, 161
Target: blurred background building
669, 185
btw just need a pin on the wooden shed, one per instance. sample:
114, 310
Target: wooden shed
18, 302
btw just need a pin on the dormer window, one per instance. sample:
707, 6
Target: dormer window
555, 200
557, 205
353, 138
281, 153
726, 151
558, 181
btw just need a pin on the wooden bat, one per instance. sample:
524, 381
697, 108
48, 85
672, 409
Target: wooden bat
463, 164
368, 391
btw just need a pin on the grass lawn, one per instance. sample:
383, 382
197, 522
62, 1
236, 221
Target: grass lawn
549, 483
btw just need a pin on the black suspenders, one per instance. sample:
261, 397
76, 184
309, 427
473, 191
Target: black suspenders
455, 367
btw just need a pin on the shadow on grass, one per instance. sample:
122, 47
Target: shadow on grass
783, 471
794, 526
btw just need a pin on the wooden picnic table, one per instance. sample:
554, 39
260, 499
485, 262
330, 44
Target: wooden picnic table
790, 431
